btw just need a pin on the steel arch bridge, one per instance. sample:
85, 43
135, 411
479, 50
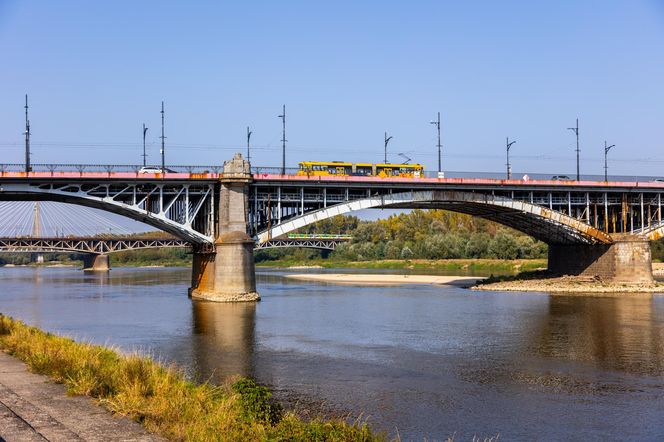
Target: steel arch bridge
603, 226
186, 205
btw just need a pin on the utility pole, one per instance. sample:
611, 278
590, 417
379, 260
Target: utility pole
437, 123
509, 168
28, 167
576, 131
606, 165
163, 153
283, 140
387, 140
145, 131
248, 138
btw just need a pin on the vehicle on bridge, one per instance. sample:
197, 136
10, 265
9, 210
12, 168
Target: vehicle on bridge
340, 168
155, 169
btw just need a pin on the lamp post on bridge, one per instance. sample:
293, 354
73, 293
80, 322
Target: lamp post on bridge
283, 140
145, 131
576, 132
163, 152
606, 164
28, 167
387, 140
437, 123
249, 132
509, 168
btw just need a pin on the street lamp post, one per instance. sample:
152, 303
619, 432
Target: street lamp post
387, 140
606, 164
28, 167
163, 151
283, 140
145, 156
576, 131
509, 168
248, 138
437, 123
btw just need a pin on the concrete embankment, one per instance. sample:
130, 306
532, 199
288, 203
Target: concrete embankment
33, 408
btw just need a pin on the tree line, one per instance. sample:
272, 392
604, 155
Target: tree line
419, 234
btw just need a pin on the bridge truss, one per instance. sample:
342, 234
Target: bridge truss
87, 245
311, 243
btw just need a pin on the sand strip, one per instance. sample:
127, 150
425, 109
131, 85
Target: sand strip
385, 279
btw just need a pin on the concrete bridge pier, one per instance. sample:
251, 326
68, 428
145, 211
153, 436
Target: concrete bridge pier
627, 260
228, 274
96, 263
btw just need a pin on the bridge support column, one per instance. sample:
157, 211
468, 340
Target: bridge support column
96, 263
228, 274
627, 260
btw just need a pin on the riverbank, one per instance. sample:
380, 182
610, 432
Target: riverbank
483, 267
541, 281
161, 398
385, 280
33, 408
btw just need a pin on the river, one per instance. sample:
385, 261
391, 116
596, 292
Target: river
426, 361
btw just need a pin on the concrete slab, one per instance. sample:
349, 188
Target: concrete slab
33, 408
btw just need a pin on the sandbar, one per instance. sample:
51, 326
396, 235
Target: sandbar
378, 279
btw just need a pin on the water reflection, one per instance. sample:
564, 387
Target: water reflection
225, 341
613, 333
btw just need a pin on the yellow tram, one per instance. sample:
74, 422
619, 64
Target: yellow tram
340, 168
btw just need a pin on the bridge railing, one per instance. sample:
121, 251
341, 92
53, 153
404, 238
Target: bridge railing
260, 170
107, 168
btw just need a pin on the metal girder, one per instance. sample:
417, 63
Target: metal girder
545, 224
86, 245
184, 209
323, 244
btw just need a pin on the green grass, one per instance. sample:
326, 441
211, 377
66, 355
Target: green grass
162, 399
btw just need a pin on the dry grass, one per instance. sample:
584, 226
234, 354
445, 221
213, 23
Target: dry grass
162, 399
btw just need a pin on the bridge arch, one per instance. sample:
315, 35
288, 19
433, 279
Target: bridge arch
186, 211
539, 222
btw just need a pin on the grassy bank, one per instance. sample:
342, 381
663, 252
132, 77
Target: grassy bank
486, 266
162, 399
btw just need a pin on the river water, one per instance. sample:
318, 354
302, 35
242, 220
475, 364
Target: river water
426, 361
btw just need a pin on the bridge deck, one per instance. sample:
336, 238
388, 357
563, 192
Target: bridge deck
344, 180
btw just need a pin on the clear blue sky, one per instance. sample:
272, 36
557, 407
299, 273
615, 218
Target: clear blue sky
347, 71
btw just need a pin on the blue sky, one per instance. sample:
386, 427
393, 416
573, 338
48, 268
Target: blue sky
347, 71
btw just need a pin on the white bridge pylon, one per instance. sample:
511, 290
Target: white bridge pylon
48, 219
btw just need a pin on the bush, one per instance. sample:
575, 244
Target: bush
257, 404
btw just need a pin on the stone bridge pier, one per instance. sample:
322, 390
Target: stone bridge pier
96, 263
626, 260
227, 274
